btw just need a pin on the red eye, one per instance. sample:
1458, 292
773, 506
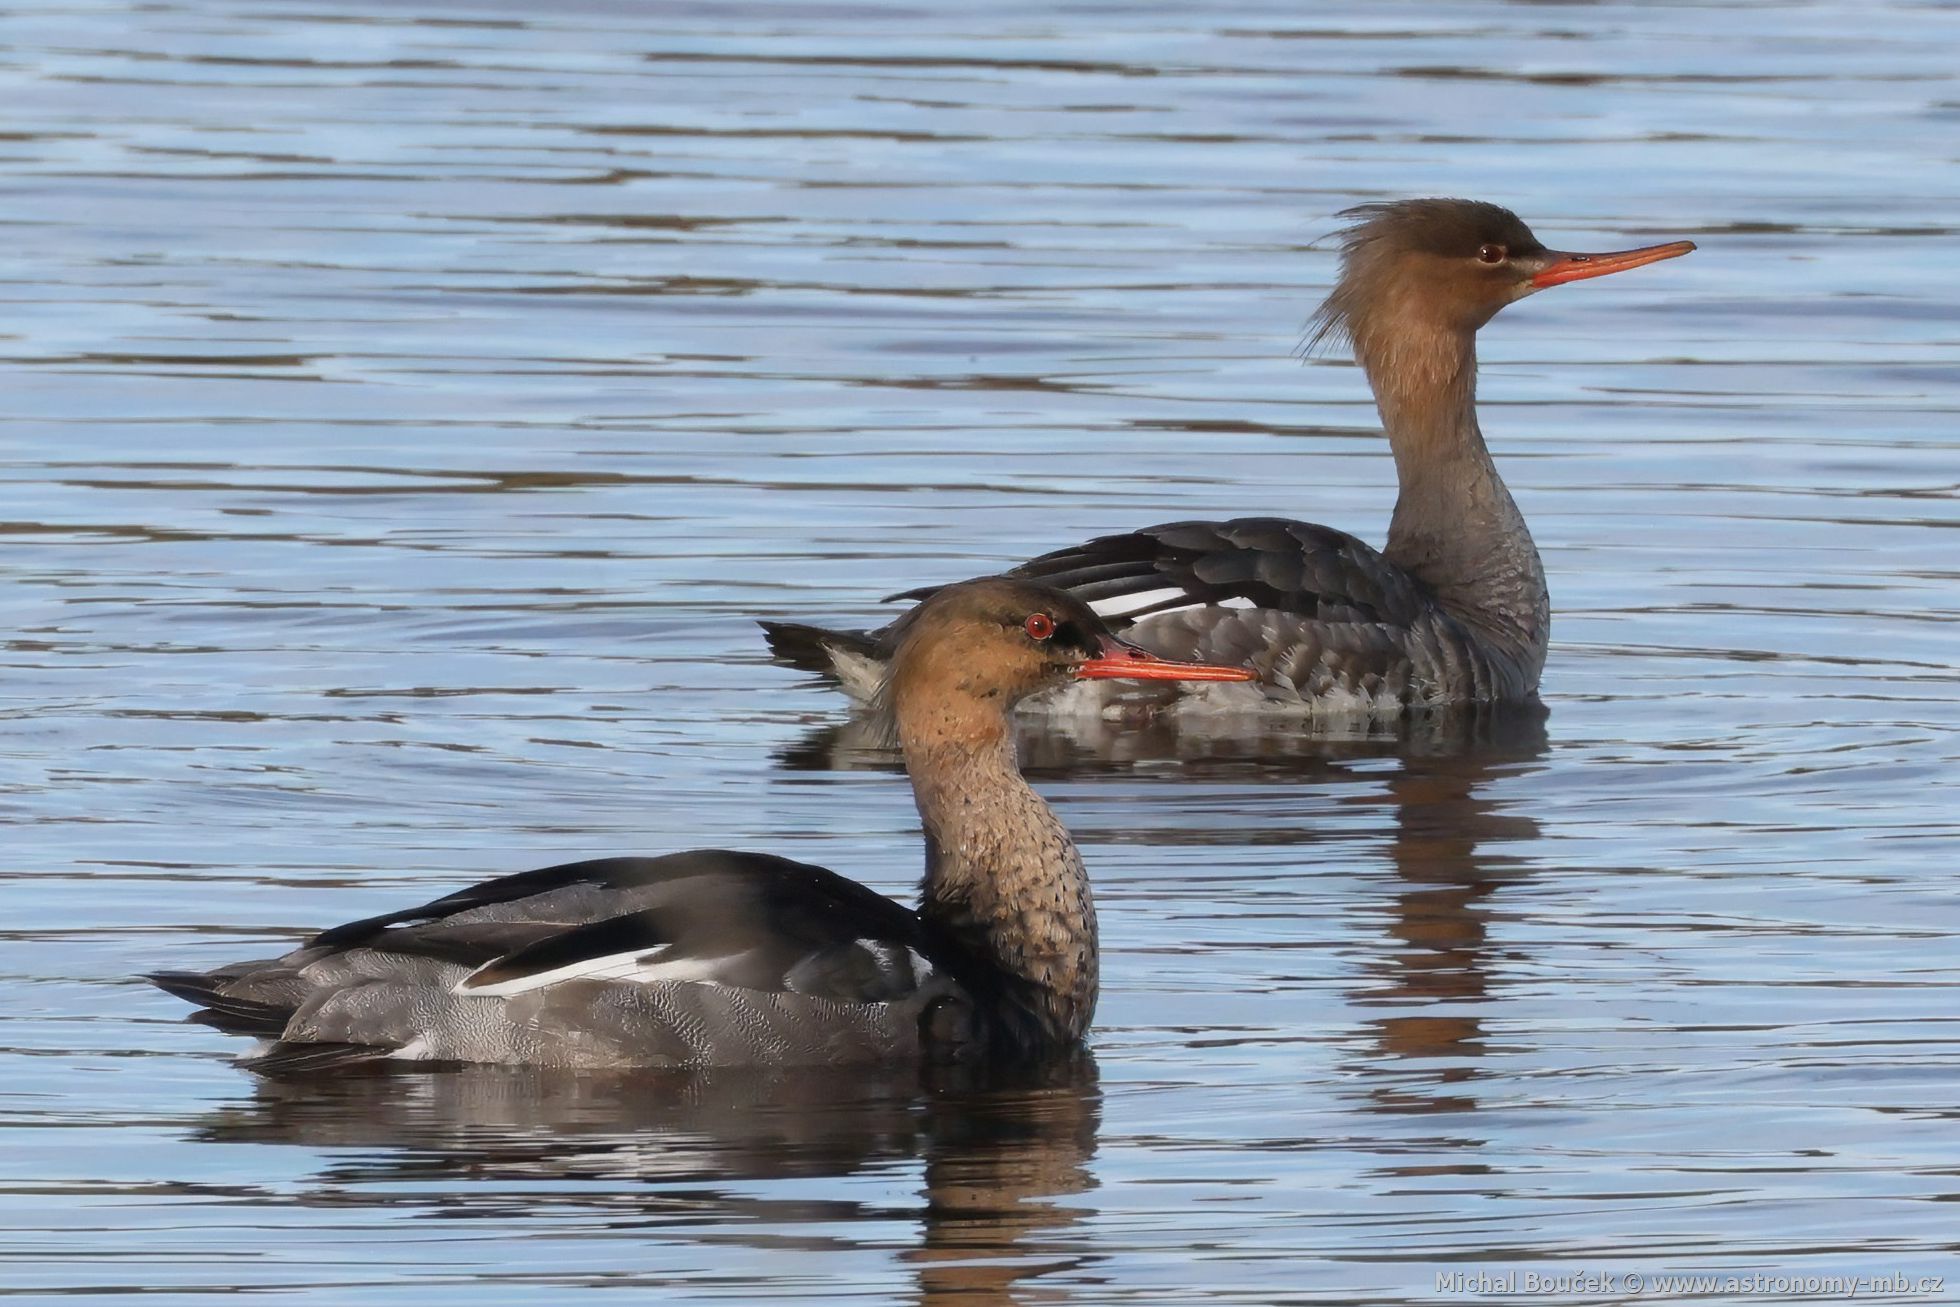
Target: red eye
1040, 625
1491, 254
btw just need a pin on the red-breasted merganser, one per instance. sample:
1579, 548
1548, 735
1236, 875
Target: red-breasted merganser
713, 957
1453, 610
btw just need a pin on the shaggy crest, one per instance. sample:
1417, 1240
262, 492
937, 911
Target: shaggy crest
1379, 234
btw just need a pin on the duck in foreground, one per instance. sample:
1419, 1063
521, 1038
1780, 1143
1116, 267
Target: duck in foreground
718, 958
1454, 608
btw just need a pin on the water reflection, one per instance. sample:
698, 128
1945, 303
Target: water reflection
1434, 971
1275, 748
998, 1148
399, 443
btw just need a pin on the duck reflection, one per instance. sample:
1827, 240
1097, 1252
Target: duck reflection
993, 1224
1271, 746
673, 1154
1433, 975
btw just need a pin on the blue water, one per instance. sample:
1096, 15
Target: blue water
407, 407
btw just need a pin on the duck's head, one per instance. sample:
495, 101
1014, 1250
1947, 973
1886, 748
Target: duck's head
1420, 269
999, 639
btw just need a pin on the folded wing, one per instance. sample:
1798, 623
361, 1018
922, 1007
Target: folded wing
698, 958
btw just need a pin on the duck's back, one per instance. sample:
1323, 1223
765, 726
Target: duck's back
695, 959
1330, 624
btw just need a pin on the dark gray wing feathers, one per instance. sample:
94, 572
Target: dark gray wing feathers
1275, 564
736, 920
1322, 616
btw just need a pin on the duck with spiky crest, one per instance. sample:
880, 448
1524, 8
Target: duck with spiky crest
1453, 609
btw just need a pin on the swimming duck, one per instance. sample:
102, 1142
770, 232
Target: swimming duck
714, 957
1454, 609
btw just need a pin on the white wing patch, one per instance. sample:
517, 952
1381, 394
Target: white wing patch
1124, 605
613, 966
639, 967
681, 969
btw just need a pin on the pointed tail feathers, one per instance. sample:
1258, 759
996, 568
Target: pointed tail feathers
815, 649
305, 1058
232, 1013
855, 660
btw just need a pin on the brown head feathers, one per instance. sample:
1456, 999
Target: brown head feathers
992, 641
1443, 257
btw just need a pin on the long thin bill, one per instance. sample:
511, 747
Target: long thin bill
1578, 267
1120, 661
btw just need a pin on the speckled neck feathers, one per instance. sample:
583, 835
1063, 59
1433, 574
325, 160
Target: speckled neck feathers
1004, 886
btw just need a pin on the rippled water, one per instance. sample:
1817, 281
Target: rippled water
408, 406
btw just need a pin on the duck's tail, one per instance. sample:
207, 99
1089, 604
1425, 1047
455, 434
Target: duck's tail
236, 1014
855, 660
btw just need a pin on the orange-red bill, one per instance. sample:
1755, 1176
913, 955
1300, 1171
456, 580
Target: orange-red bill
1578, 267
1120, 661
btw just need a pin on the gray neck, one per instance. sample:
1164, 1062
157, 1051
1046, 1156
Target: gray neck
1004, 883
1456, 527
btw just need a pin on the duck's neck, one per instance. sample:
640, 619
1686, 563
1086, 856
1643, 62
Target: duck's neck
1004, 886
1456, 527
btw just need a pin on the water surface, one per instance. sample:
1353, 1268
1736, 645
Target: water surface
407, 408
